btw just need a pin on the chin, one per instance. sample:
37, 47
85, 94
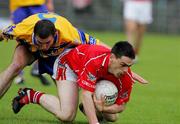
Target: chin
119, 75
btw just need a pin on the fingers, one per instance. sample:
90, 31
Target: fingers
143, 81
99, 101
103, 98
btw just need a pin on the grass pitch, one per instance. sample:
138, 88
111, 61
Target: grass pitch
155, 103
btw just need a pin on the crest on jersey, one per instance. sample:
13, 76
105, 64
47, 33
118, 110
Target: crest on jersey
91, 77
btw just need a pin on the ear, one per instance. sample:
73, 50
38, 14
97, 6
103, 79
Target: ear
112, 56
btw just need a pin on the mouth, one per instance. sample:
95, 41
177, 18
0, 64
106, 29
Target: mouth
118, 74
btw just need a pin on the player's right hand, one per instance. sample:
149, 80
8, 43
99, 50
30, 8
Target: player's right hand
1, 37
99, 104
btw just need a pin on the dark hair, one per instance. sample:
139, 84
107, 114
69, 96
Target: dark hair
123, 48
44, 28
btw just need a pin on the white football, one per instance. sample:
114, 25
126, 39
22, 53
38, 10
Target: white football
108, 90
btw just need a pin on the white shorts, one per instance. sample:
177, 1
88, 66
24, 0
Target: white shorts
139, 11
61, 70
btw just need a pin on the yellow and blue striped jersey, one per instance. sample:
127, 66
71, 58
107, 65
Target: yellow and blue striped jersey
67, 36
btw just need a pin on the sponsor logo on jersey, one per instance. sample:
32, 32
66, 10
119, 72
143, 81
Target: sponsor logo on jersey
88, 84
91, 77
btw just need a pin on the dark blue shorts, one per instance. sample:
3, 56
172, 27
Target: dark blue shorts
23, 12
46, 65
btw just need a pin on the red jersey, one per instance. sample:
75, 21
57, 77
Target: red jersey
90, 63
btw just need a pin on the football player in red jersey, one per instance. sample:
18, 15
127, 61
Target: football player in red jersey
82, 67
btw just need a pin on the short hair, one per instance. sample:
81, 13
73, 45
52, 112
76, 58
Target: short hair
123, 48
44, 28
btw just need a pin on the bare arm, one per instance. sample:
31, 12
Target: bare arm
89, 107
112, 109
139, 78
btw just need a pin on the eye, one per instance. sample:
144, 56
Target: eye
124, 65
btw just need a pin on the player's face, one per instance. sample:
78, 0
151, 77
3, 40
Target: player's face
119, 66
44, 44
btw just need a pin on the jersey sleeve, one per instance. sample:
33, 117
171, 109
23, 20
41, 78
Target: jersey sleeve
9, 32
87, 39
88, 77
22, 30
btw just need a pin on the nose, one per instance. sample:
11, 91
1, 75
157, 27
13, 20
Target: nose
44, 47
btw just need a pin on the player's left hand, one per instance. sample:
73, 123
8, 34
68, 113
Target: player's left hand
99, 104
138, 78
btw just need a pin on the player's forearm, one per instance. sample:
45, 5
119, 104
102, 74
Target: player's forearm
138, 78
113, 109
89, 107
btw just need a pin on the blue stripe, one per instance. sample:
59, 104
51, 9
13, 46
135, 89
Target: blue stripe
82, 36
9, 29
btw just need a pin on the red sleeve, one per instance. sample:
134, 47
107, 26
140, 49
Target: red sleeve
126, 96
